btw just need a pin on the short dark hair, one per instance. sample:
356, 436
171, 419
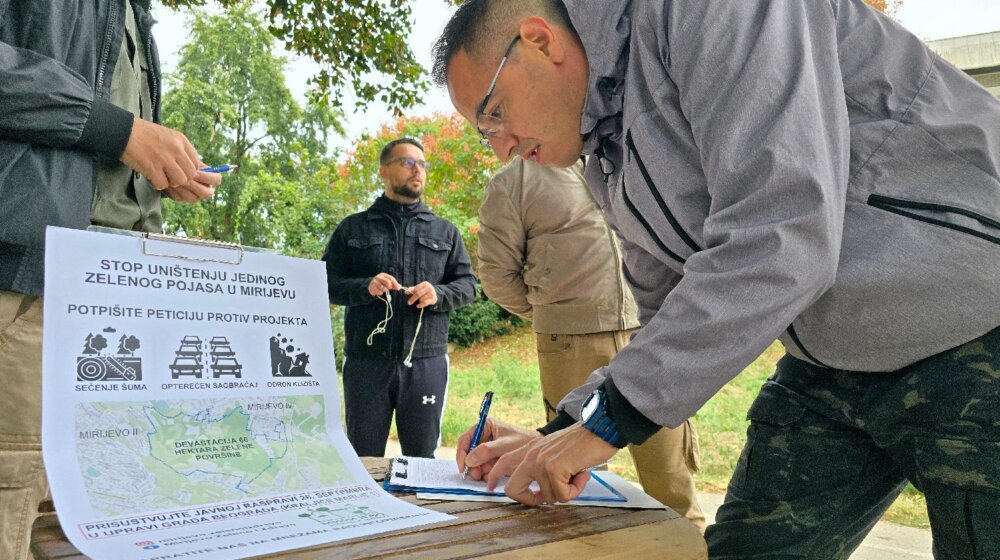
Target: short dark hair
383, 158
485, 27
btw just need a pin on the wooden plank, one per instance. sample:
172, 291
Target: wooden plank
55, 550
485, 531
677, 539
534, 534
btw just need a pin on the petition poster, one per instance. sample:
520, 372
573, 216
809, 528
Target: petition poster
190, 403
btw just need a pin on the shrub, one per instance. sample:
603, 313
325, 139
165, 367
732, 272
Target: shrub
480, 320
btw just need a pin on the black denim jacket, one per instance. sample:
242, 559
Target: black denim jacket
413, 245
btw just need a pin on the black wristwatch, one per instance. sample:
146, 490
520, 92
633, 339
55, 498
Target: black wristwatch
594, 417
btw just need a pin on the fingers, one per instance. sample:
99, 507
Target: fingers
382, 283
475, 458
462, 448
574, 488
164, 156
180, 194
210, 179
424, 293
504, 466
518, 487
392, 283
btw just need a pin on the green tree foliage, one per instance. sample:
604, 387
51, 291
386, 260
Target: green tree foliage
229, 97
355, 42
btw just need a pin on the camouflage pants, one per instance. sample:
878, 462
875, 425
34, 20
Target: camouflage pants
829, 450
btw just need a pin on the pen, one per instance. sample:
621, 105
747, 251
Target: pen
483, 411
219, 168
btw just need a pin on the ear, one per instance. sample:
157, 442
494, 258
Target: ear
382, 172
536, 33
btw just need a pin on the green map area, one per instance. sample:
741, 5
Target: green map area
166, 454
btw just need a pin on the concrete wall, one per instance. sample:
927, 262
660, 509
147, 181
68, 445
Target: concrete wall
978, 55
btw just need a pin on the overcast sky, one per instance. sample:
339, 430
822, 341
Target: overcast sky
928, 19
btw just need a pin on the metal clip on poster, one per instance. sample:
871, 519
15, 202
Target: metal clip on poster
201, 250
188, 248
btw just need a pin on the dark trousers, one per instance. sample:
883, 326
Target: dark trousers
829, 450
374, 388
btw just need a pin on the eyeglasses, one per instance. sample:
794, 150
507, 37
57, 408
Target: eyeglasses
410, 163
492, 124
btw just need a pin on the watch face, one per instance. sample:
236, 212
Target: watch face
590, 406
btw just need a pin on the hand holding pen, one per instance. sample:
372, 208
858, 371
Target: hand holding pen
484, 410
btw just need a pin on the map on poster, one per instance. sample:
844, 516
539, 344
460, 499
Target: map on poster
195, 452
190, 403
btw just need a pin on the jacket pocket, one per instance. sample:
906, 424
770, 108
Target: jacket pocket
553, 343
432, 259
933, 213
365, 255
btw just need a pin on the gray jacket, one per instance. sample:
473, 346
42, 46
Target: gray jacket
802, 170
56, 61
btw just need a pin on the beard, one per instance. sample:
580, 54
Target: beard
407, 191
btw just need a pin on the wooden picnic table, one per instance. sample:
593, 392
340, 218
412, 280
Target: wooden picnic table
484, 531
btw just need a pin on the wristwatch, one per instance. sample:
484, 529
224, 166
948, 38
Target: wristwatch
594, 417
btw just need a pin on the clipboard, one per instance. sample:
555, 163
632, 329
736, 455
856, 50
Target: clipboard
398, 479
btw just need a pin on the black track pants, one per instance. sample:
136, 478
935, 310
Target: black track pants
373, 389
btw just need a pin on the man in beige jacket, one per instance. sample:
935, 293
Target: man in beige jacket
547, 254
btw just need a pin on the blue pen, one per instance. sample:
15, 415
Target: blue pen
483, 411
219, 168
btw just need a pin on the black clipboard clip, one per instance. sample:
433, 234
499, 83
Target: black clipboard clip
398, 473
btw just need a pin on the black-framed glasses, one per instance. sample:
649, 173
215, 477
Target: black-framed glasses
491, 125
410, 163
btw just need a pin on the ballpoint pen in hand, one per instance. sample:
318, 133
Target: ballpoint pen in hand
219, 168
483, 411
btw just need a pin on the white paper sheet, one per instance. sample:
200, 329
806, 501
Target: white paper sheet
190, 408
442, 474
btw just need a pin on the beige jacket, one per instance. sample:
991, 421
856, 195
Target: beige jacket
546, 253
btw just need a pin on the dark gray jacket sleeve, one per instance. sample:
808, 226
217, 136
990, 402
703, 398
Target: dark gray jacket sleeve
761, 86
46, 103
458, 287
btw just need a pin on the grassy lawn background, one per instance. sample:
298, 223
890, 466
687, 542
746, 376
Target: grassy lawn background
508, 366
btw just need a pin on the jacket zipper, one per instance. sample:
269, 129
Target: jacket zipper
154, 75
397, 302
618, 276
898, 206
659, 199
106, 51
649, 229
806, 353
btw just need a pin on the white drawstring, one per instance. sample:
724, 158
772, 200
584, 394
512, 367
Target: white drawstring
408, 362
380, 328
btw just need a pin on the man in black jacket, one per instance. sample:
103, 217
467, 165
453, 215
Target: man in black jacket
400, 271
79, 144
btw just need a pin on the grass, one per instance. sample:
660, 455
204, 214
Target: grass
508, 366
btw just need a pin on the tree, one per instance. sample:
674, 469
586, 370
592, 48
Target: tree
229, 97
356, 42
888, 7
